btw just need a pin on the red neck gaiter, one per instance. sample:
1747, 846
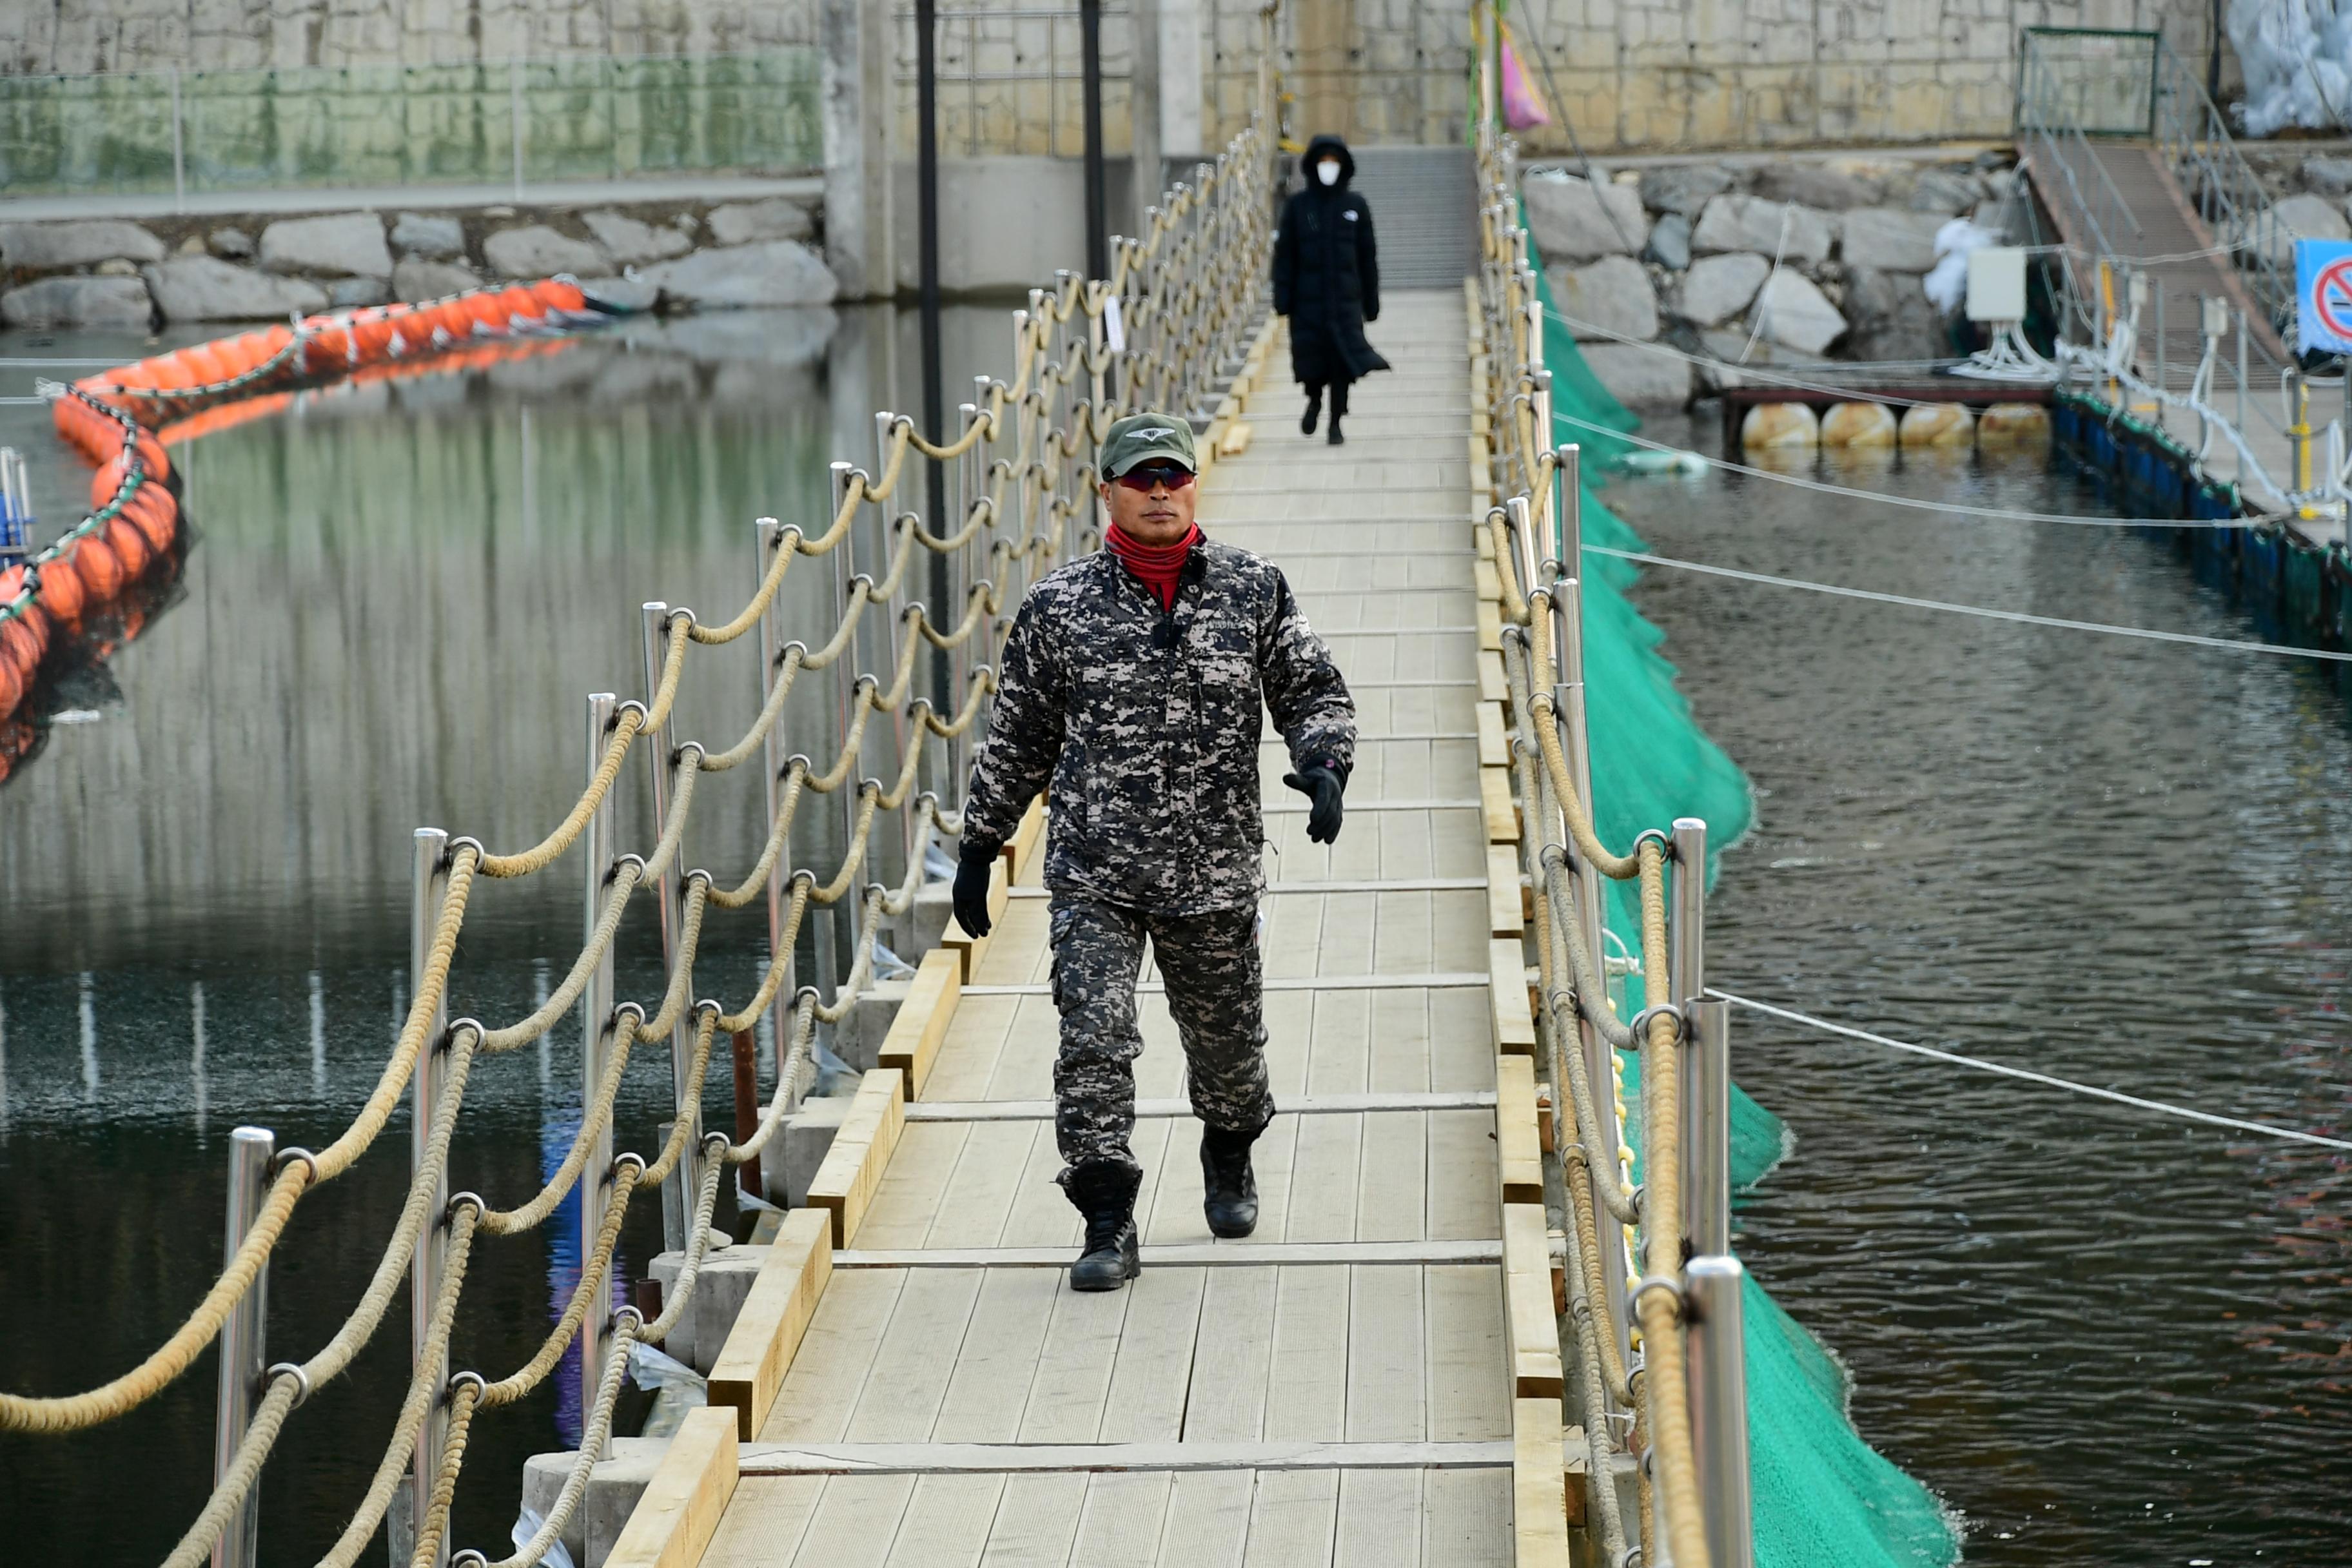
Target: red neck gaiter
1156, 566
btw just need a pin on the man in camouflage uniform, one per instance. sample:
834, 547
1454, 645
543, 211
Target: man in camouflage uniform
1132, 690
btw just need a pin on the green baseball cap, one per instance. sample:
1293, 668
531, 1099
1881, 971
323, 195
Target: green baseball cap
1143, 437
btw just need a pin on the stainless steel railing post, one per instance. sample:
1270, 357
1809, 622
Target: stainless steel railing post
243, 1340
1718, 1404
597, 843
843, 686
769, 537
428, 886
1709, 1092
686, 1179
1685, 983
1568, 711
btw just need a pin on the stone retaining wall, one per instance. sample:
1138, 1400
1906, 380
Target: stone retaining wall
1684, 255
671, 255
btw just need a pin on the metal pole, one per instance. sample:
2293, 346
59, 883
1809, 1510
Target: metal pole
747, 1106
926, 187
844, 684
1685, 981
1709, 1092
1097, 204
769, 534
243, 1337
428, 885
1718, 1405
1568, 699
686, 1179
596, 849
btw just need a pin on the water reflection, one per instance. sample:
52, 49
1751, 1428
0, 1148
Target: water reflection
398, 596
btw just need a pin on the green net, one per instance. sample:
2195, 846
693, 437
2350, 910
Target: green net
1822, 1495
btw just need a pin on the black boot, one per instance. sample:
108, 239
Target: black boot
1106, 1195
1339, 411
1333, 437
1229, 1184
1314, 407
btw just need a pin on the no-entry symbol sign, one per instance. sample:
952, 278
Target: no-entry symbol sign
2322, 294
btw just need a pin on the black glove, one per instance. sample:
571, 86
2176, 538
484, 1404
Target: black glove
1322, 785
971, 892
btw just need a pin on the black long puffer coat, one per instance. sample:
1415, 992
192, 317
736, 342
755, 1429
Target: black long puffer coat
1327, 274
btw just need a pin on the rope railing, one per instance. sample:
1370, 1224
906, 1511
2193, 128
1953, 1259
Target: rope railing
1020, 475
1653, 1337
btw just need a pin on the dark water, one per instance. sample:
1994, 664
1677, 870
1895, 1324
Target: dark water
2100, 1336
397, 599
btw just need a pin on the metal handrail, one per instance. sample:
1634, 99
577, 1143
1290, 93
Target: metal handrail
2193, 138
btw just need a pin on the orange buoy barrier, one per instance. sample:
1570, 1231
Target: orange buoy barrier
79, 593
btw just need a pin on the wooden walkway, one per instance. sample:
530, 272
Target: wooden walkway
1277, 1402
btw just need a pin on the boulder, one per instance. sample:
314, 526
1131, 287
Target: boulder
432, 237
79, 302
47, 246
1813, 186
1890, 239
1607, 299
627, 241
621, 293
1750, 222
1945, 192
2328, 176
2304, 218
1717, 288
415, 278
778, 272
1669, 244
1938, 424
1685, 189
1572, 219
193, 245
1640, 377
230, 244
348, 293
778, 217
1769, 424
116, 266
1797, 314
1858, 425
1891, 317
337, 244
206, 289
535, 251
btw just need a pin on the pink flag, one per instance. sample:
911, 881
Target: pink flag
1522, 104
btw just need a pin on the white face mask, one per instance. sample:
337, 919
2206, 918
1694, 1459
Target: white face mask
1328, 171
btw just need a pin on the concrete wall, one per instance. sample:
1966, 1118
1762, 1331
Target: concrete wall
73, 36
1668, 74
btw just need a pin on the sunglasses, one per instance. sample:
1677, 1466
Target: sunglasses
1142, 480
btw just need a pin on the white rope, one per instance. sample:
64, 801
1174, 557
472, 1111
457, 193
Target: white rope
2028, 1076
1912, 503
2057, 623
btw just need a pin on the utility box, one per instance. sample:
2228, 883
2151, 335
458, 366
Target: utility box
1997, 284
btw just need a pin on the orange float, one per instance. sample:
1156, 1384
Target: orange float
127, 437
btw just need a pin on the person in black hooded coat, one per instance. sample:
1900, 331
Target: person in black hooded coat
1326, 279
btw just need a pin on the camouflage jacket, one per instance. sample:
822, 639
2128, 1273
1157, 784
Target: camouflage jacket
1151, 751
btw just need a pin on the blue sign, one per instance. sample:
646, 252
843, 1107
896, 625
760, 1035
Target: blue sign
2322, 295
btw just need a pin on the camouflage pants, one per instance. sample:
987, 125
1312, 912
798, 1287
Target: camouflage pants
1211, 964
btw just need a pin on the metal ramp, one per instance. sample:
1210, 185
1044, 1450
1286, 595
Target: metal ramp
2120, 201
1424, 213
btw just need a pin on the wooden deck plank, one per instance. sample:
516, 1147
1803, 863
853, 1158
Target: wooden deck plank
1247, 1351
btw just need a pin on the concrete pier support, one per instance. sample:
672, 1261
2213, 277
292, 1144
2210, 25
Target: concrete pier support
1182, 83
857, 176
1144, 100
